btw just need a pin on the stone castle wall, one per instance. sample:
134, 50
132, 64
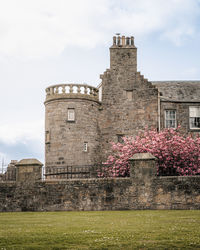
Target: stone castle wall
143, 190
101, 194
65, 143
129, 102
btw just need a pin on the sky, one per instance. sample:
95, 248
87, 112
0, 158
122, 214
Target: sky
45, 42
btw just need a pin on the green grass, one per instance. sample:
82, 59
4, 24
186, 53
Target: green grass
100, 230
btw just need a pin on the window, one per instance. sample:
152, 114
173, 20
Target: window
85, 147
100, 94
194, 113
47, 137
129, 95
71, 115
120, 138
170, 118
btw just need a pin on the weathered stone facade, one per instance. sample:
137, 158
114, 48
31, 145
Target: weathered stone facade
28, 170
122, 105
142, 190
80, 123
10, 174
129, 102
179, 96
66, 138
126, 103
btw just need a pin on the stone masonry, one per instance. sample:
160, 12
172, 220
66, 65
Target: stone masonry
124, 104
179, 96
66, 143
142, 190
129, 102
80, 123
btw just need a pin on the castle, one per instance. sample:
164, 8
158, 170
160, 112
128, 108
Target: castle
81, 120
80, 123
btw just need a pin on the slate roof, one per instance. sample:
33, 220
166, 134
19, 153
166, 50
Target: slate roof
179, 91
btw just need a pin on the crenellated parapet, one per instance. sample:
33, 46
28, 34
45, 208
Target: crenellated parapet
71, 91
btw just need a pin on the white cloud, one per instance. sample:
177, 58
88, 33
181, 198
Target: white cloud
41, 28
22, 132
173, 19
21, 140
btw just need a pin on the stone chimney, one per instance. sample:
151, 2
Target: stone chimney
123, 54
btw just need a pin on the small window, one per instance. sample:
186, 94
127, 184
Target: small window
47, 137
85, 147
129, 95
71, 115
120, 138
170, 118
100, 94
194, 113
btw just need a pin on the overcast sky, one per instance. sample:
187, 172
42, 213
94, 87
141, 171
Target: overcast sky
44, 42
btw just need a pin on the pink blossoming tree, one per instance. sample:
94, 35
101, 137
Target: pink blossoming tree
176, 154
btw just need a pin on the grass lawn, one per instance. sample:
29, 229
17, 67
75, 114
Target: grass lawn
101, 230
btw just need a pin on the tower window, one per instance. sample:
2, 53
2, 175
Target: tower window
85, 147
194, 113
129, 95
47, 137
71, 115
100, 94
120, 138
170, 118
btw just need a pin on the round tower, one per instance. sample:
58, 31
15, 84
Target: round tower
71, 128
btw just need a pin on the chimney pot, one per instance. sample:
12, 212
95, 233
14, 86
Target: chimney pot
114, 40
123, 40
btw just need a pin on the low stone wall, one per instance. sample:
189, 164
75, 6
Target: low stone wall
143, 190
101, 194
177, 192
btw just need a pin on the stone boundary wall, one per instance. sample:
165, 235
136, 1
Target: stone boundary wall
143, 190
101, 194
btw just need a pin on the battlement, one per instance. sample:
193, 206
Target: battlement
71, 91
123, 42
